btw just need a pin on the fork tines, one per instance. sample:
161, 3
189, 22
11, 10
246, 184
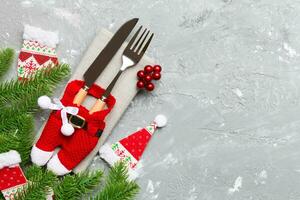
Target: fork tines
140, 45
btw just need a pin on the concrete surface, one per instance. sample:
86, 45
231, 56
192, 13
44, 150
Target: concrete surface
230, 89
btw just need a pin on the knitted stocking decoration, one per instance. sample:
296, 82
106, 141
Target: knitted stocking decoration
74, 146
38, 51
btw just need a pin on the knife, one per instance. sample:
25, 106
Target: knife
102, 60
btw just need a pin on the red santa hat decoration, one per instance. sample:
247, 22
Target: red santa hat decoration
12, 178
130, 149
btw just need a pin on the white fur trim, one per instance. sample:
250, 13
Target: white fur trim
9, 158
57, 167
107, 154
48, 38
40, 157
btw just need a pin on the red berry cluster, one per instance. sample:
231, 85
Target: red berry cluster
147, 75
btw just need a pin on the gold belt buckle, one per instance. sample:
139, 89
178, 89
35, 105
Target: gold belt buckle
76, 125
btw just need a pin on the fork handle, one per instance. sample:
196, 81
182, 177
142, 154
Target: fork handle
100, 103
111, 85
98, 106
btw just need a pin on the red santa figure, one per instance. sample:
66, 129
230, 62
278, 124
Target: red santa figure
71, 128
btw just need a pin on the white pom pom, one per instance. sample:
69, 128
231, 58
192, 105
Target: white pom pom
160, 120
44, 102
67, 129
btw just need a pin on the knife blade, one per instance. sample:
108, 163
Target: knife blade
102, 60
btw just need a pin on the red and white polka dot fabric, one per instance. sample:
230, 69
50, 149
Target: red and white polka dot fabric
11, 177
136, 143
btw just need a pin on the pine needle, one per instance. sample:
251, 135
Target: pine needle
41, 181
117, 186
6, 58
73, 187
20, 139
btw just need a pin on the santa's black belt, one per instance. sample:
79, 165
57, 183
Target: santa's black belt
79, 122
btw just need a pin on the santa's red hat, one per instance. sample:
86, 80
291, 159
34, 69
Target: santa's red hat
12, 178
130, 149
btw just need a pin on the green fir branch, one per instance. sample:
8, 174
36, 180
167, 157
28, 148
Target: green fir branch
21, 96
73, 187
20, 139
118, 191
6, 58
117, 186
17, 124
40, 183
25, 134
118, 173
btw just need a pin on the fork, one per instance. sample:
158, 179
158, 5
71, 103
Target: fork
132, 54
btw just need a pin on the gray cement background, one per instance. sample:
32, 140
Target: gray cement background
230, 89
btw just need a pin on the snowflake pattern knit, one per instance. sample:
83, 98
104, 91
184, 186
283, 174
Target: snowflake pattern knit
38, 51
